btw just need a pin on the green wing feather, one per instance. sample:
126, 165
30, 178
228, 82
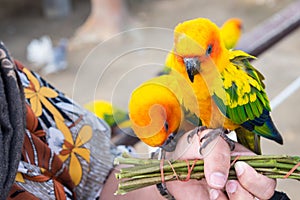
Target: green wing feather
246, 102
245, 95
191, 117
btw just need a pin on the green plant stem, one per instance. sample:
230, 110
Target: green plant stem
146, 172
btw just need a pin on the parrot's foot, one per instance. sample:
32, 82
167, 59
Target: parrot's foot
209, 137
194, 132
159, 154
171, 142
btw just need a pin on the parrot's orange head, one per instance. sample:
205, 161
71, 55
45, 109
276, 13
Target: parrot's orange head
234, 23
198, 43
231, 32
154, 112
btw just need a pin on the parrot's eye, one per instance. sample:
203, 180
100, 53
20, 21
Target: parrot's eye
166, 126
209, 50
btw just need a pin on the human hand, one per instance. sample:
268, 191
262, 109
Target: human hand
216, 157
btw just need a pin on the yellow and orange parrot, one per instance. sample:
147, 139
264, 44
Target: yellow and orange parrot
231, 32
112, 115
160, 111
229, 90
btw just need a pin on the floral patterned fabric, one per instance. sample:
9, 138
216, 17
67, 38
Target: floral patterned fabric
67, 152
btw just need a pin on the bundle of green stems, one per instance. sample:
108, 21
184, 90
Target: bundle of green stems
137, 173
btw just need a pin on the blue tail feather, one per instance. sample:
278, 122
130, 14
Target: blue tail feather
269, 131
264, 126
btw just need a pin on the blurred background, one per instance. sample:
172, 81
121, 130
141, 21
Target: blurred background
104, 49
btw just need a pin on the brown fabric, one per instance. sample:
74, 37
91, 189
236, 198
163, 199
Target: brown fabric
61, 156
58, 187
32, 124
35, 151
18, 192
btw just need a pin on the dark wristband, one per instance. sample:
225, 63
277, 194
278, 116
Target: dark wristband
279, 196
164, 191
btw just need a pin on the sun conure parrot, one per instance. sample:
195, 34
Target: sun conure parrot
112, 115
229, 90
231, 31
161, 111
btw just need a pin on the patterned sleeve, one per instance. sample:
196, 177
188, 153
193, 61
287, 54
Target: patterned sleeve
67, 151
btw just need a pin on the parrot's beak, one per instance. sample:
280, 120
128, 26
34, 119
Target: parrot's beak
192, 67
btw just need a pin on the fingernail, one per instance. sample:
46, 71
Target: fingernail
213, 194
231, 187
239, 168
217, 179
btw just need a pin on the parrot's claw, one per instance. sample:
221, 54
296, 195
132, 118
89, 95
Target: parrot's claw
213, 135
229, 141
171, 142
159, 154
194, 132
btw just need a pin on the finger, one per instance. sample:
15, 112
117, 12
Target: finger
217, 195
201, 191
217, 163
241, 151
257, 184
193, 189
235, 191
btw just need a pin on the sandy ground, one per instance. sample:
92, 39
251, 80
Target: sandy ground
113, 68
